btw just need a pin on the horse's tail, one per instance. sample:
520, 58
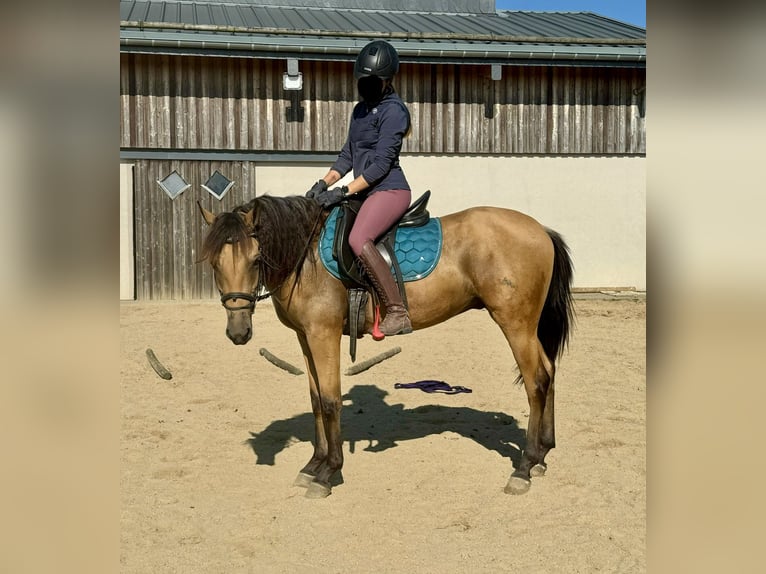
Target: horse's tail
557, 317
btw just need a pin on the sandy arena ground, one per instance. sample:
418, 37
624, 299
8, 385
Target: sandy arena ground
209, 457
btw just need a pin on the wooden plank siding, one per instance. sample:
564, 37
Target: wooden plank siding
169, 233
205, 103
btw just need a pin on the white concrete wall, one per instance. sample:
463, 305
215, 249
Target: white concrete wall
598, 204
127, 263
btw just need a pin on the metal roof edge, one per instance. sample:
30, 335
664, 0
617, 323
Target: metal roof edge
155, 41
377, 34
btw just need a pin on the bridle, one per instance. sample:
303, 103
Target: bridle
256, 295
251, 298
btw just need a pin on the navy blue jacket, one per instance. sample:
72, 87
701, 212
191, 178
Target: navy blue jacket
374, 142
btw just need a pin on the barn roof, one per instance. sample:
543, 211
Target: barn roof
247, 28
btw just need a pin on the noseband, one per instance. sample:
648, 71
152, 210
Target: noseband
236, 295
251, 298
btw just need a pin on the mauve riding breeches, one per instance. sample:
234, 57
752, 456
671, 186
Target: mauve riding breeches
378, 212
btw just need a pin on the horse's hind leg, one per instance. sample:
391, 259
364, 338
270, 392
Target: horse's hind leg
537, 378
547, 424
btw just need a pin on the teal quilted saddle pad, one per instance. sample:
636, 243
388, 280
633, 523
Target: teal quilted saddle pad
417, 248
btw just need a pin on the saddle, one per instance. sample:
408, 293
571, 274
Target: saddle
358, 284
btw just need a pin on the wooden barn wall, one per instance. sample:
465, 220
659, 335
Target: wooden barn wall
198, 103
182, 103
169, 233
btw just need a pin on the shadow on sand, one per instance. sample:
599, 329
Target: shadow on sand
369, 420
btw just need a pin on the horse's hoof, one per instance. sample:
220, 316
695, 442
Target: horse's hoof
517, 485
317, 490
303, 480
538, 470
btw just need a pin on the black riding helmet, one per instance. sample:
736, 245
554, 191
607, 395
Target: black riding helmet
378, 58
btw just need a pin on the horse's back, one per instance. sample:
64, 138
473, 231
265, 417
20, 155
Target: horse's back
497, 227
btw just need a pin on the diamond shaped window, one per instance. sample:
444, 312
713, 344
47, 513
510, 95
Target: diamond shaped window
218, 185
173, 184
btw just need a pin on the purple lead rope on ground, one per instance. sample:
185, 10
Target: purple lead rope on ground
434, 387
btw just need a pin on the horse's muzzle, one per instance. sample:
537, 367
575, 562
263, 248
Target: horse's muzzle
240, 338
239, 327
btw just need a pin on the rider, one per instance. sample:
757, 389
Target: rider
379, 122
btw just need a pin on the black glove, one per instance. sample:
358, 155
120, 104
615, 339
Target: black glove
330, 197
317, 188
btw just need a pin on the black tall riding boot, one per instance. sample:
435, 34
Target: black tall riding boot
397, 320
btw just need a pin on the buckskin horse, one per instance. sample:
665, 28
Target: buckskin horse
491, 258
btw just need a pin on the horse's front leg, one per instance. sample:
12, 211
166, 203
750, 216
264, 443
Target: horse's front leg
308, 473
322, 355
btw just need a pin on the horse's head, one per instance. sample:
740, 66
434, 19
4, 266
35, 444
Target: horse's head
232, 249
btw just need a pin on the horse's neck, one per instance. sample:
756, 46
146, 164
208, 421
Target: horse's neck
288, 289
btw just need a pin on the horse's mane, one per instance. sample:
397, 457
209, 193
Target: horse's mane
284, 227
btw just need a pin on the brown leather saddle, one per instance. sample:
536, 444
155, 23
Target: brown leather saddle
353, 276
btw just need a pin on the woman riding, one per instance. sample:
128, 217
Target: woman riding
378, 124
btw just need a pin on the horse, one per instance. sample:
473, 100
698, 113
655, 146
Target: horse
492, 258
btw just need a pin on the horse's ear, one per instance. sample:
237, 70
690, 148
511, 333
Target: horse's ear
248, 217
208, 216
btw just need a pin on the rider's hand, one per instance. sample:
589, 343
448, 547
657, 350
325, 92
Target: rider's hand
318, 187
330, 197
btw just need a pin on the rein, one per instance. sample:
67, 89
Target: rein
304, 253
